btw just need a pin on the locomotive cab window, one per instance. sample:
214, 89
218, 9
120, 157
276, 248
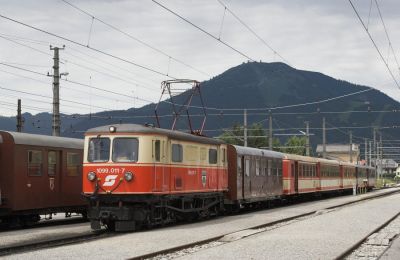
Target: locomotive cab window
99, 149
177, 153
35, 163
212, 156
51, 163
126, 150
73, 164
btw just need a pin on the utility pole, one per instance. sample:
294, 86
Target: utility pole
19, 117
307, 138
323, 138
56, 125
374, 148
366, 151
245, 127
370, 153
351, 147
270, 131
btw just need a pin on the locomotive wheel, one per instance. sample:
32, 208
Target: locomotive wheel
111, 226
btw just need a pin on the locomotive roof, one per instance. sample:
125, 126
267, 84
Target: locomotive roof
257, 152
42, 140
141, 129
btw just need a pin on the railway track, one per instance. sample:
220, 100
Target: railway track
47, 223
375, 244
214, 241
20, 248
191, 248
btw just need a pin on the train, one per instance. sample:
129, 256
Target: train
136, 175
40, 175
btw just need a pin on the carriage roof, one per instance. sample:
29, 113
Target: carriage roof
41, 140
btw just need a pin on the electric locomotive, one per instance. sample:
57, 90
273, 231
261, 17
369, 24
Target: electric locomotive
141, 175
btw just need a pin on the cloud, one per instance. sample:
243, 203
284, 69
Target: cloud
323, 36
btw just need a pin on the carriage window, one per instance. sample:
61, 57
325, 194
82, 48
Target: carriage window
177, 153
157, 149
212, 156
223, 155
257, 167
269, 167
35, 163
73, 164
239, 165
125, 150
264, 167
51, 163
247, 167
99, 150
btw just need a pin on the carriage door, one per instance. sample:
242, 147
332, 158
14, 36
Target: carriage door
54, 175
158, 166
296, 177
246, 178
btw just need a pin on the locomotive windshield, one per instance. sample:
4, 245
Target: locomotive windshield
125, 150
99, 149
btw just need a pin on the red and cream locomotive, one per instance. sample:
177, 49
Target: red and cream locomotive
136, 175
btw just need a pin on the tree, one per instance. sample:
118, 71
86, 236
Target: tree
256, 136
295, 145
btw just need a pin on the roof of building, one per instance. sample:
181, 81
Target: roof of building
338, 148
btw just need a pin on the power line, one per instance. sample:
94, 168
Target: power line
85, 46
387, 34
373, 42
134, 38
253, 32
204, 31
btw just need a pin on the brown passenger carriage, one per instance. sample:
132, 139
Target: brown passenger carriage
39, 175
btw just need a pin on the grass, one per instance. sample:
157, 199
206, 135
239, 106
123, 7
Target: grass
385, 181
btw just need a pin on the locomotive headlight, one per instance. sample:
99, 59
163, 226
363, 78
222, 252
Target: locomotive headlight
91, 176
112, 129
128, 176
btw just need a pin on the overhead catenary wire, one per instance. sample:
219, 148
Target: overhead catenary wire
387, 35
83, 45
253, 32
203, 30
134, 38
373, 42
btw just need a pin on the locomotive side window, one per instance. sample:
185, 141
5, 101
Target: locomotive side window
99, 149
212, 156
126, 150
177, 153
157, 150
73, 164
51, 163
35, 163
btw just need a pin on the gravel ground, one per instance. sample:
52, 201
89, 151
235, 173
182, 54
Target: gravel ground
324, 236
377, 243
137, 244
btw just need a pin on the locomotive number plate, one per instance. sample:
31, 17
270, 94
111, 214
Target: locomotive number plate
110, 170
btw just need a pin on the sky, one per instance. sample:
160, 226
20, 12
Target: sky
316, 35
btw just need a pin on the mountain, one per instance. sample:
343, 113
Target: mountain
259, 85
